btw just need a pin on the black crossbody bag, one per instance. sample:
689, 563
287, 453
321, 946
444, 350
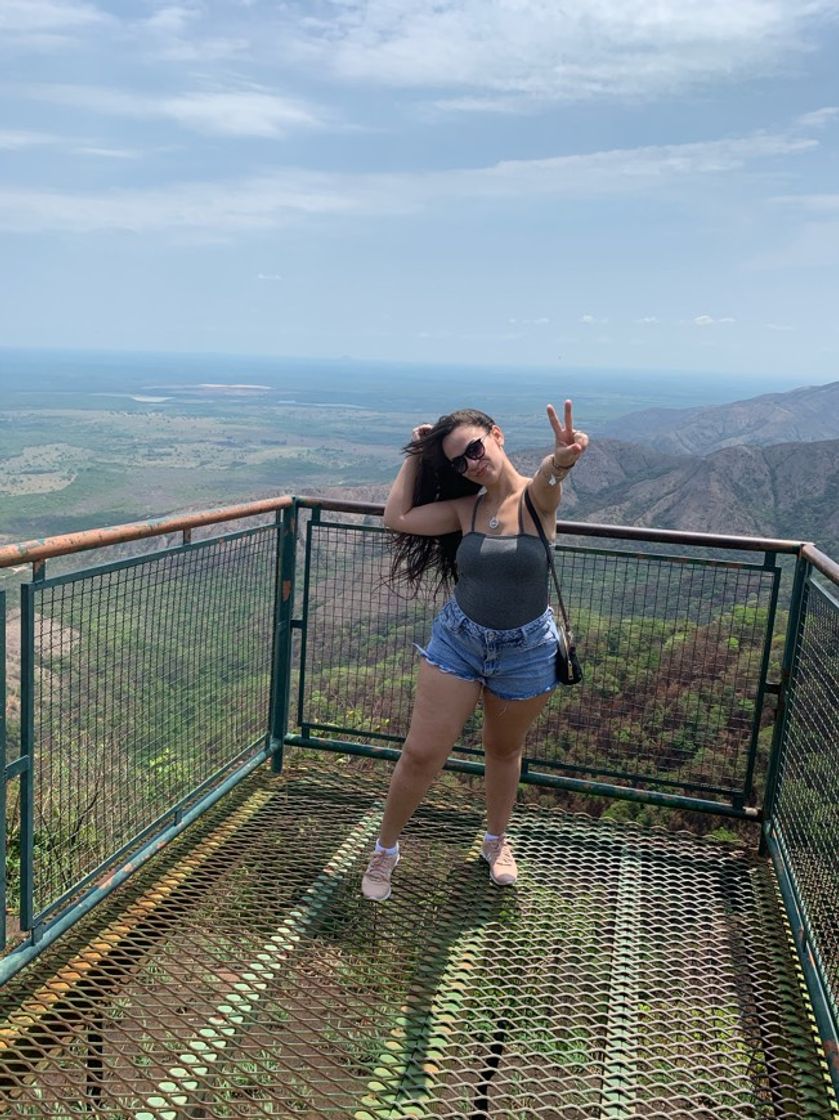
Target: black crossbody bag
568, 668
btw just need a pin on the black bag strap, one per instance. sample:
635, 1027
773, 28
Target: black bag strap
537, 521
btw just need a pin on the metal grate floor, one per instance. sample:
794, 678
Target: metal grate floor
631, 973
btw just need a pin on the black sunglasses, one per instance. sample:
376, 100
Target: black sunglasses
473, 452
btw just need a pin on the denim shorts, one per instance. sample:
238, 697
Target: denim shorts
515, 664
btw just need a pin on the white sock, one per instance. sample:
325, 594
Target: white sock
394, 851
488, 836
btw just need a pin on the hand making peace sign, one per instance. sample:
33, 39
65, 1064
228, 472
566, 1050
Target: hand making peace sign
569, 444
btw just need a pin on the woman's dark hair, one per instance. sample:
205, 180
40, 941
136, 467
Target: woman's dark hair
436, 481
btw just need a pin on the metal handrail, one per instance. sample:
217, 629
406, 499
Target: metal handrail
821, 562
595, 529
29, 552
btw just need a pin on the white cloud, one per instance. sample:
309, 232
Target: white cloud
244, 112
173, 19
547, 51
238, 113
709, 321
592, 320
256, 111
268, 276
108, 153
46, 25
819, 118
220, 208
632, 169
173, 35
17, 140
648, 320
779, 327
37, 16
12, 140
541, 321
265, 201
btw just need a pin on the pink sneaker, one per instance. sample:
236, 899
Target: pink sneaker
502, 866
375, 884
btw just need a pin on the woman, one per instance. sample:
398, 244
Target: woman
459, 506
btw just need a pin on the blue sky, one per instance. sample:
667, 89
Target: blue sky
617, 183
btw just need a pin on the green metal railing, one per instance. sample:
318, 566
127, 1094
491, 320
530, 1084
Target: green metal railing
144, 682
802, 826
150, 685
146, 688
677, 653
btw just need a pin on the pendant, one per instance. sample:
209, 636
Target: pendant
493, 522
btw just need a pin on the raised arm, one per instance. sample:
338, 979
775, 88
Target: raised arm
569, 445
431, 520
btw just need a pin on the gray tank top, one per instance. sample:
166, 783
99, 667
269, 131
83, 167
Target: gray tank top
502, 582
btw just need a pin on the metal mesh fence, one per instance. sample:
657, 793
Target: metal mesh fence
151, 679
673, 651
806, 814
630, 973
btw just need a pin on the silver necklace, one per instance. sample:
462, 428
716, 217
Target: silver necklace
493, 521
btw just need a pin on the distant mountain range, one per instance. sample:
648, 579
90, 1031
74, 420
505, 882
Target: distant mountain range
764, 467
805, 415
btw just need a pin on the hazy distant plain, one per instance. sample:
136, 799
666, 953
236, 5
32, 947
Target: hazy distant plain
92, 439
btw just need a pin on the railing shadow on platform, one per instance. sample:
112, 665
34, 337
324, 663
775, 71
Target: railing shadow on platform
140, 689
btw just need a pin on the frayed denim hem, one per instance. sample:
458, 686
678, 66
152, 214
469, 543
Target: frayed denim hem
443, 669
530, 696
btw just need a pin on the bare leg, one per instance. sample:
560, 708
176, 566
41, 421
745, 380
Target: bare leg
442, 705
506, 722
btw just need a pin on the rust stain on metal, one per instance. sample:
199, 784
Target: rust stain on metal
286, 590
831, 1052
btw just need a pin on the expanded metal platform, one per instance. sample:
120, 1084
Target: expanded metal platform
630, 973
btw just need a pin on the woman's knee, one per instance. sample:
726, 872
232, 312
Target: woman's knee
506, 754
504, 750
419, 758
